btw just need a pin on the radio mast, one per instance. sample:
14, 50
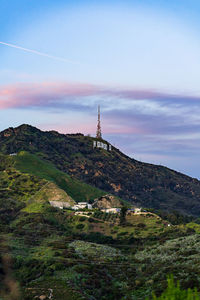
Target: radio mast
98, 135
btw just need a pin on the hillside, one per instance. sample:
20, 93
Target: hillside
28, 184
50, 253
32, 164
139, 183
53, 252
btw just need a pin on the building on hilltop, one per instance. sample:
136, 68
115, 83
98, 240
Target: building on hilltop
81, 205
113, 210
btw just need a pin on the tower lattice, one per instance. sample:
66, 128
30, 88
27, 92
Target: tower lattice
98, 135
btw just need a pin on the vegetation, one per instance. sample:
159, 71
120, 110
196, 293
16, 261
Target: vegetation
178, 256
53, 253
174, 292
123, 215
174, 217
148, 185
29, 163
49, 252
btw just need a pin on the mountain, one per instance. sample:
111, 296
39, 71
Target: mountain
52, 253
139, 183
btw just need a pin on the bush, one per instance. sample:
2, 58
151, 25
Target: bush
141, 225
122, 233
80, 226
82, 219
174, 292
91, 220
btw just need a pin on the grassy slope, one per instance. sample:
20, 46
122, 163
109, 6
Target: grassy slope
194, 226
49, 192
25, 191
30, 163
14, 184
16, 189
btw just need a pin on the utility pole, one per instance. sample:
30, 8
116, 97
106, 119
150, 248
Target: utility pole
98, 135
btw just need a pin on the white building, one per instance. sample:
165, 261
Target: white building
113, 210
89, 206
81, 205
138, 210
59, 204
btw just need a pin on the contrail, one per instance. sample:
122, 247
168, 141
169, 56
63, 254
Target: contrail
40, 53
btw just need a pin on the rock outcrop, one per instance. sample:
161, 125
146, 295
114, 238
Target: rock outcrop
107, 201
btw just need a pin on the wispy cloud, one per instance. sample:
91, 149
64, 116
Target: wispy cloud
55, 94
39, 53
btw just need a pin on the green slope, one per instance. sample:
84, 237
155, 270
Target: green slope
16, 189
30, 163
16, 185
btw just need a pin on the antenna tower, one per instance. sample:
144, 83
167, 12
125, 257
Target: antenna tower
98, 135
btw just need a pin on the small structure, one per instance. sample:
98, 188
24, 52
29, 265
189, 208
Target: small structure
135, 210
13, 154
60, 204
113, 210
138, 210
81, 205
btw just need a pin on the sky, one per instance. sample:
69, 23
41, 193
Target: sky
139, 60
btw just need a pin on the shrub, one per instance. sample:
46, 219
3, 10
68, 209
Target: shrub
82, 219
122, 233
91, 220
174, 292
80, 226
141, 225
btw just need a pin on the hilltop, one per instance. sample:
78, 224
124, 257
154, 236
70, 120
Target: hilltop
139, 183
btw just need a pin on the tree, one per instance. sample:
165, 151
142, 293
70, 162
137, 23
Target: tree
123, 215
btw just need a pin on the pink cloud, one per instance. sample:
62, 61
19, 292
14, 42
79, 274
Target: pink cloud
44, 94
54, 94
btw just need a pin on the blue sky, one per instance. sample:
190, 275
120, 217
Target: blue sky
140, 60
